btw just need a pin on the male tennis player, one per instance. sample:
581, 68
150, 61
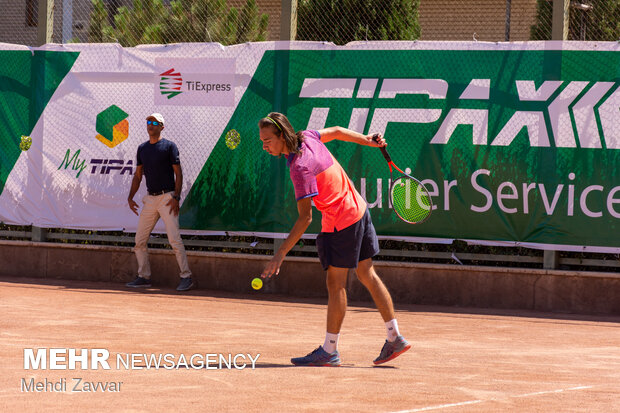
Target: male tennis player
158, 160
347, 238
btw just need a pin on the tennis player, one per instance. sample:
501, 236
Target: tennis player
347, 239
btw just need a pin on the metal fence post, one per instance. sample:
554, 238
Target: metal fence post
277, 242
38, 234
551, 260
507, 30
45, 30
559, 31
67, 20
288, 20
559, 26
45, 22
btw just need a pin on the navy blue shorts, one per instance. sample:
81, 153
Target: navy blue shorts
347, 247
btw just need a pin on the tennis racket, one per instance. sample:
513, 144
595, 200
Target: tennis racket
410, 198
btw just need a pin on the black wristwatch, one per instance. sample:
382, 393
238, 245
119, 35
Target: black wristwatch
177, 197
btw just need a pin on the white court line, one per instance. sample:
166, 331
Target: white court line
553, 391
444, 406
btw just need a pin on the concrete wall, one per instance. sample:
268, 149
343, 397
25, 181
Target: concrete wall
431, 284
459, 20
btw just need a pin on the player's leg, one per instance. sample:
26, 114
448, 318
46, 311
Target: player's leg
337, 300
395, 344
146, 222
369, 247
380, 295
327, 354
171, 221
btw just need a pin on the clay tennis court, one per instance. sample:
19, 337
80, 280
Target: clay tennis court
462, 360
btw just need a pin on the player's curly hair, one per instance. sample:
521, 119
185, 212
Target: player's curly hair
282, 128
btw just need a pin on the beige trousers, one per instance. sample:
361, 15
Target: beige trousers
154, 207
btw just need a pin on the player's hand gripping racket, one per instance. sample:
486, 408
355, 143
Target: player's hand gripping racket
410, 199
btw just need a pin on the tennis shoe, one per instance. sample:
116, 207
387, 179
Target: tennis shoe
318, 358
139, 282
185, 284
393, 349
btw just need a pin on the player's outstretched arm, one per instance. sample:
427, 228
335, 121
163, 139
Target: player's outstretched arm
304, 207
343, 134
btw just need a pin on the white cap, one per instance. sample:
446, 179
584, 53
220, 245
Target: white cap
158, 117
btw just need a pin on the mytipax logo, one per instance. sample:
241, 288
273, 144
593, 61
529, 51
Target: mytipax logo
170, 83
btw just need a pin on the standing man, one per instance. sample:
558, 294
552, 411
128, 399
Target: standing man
347, 239
158, 160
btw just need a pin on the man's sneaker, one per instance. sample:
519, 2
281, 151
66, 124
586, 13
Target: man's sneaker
318, 357
185, 284
392, 350
139, 282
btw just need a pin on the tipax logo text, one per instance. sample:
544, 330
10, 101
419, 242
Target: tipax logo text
584, 103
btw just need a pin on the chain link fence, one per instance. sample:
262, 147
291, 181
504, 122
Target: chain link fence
345, 21
588, 20
133, 22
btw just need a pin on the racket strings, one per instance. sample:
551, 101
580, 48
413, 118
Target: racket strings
410, 200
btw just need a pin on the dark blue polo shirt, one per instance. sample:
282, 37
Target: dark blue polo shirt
157, 160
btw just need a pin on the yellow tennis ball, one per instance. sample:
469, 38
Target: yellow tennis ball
25, 143
232, 139
257, 283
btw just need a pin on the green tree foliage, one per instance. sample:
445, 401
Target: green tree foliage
98, 23
151, 22
600, 20
252, 25
343, 21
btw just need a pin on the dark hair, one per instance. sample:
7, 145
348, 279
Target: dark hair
283, 128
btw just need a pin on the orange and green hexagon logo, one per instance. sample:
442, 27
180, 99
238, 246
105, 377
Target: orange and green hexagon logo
112, 126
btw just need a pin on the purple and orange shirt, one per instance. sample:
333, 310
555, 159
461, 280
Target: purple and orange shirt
316, 173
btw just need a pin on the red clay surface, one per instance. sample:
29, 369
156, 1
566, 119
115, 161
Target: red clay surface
462, 360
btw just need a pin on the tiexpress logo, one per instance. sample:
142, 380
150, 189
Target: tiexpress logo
112, 126
170, 83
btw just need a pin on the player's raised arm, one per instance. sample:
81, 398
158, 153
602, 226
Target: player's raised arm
343, 134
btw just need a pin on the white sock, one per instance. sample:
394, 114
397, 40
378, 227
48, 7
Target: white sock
331, 342
392, 330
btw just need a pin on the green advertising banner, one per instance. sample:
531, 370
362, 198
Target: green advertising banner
514, 145
518, 143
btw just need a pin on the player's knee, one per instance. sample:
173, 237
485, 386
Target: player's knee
335, 283
363, 276
369, 279
365, 272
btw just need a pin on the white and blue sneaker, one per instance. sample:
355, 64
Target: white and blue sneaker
318, 358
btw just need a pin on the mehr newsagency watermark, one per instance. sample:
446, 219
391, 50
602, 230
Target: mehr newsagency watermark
99, 359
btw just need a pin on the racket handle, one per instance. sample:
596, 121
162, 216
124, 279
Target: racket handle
384, 151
